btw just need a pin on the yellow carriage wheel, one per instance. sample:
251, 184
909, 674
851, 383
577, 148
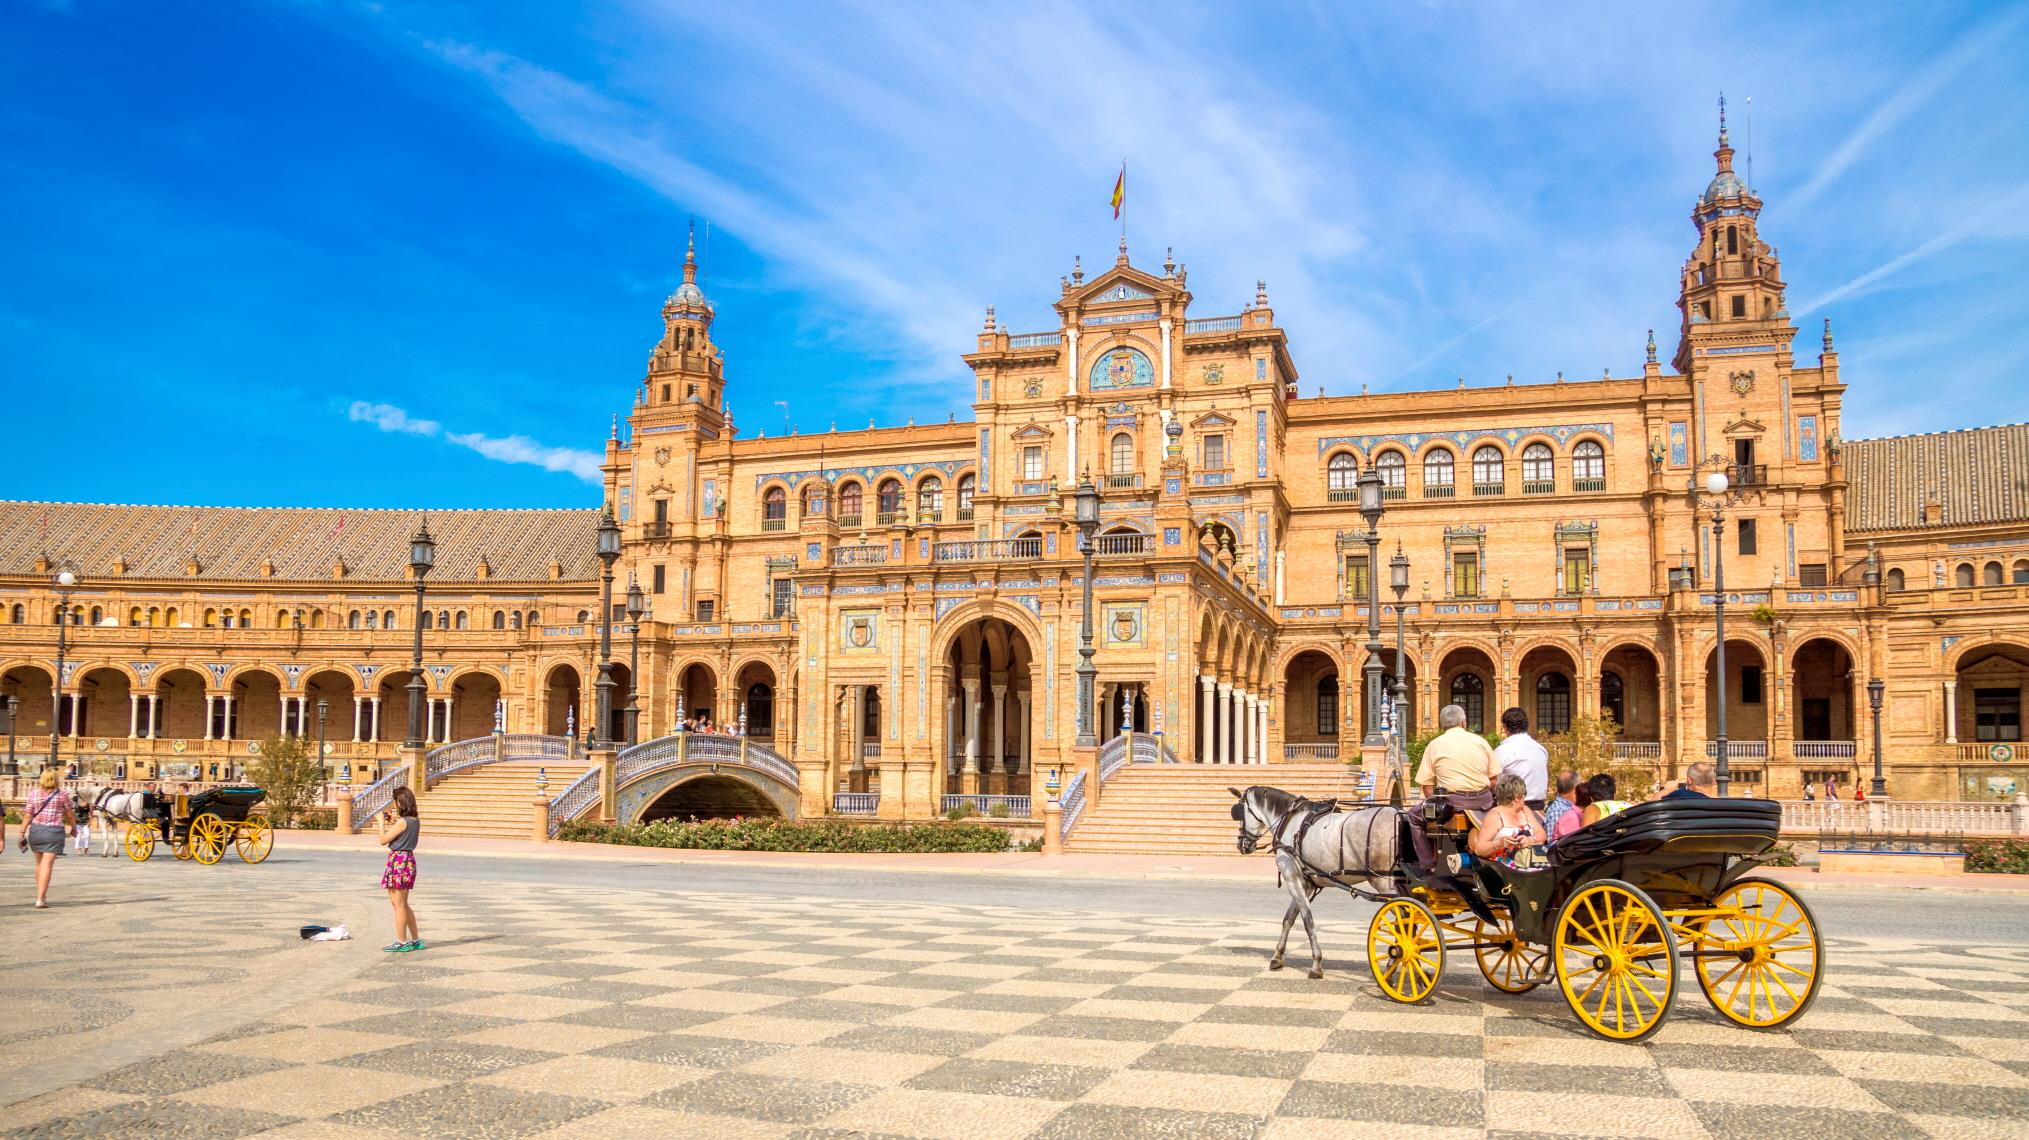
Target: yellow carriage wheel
1616, 960
209, 836
254, 839
1405, 950
1759, 961
1511, 965
140, 841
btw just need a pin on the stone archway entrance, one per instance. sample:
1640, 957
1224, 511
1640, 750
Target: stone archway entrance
711, 797
988, 708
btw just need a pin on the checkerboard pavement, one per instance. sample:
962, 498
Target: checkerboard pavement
611, 1014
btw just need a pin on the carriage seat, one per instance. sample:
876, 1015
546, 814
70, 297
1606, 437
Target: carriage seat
1712, 826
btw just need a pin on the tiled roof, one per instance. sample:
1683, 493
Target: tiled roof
1973, 477
305, 543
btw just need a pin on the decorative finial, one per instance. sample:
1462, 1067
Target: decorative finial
1652, 346
1122, 259
1077, 269
1606, 374
1363, 389
1461, 383
1169, 261
990, 323
1511, 381
1722, 118
690, 254
1560, 375
1828, 334
1261, 294
616, 428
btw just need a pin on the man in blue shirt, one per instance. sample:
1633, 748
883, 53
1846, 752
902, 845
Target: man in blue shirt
1701, 782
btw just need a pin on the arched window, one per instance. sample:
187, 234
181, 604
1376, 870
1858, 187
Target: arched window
1964, 575
97, 615
387, 619
1123, 454
930, 500
1613, 697
514, 620
1328, 705
133, 617
849, 504
1896, 581
1539, 468
1469, 692
534, 619
890, 504
1588, 466
1439, 471
774, 509
500, 619
429, 620
352, 620
168, 617
584, 616
1489, 474
2021, 572
1553, 703
461, 621
810, 501
316, 619
155, 615
967, 484
1991, 575
372, 620
760, 710
19, 614
246, 619
1394, 472
1342, 473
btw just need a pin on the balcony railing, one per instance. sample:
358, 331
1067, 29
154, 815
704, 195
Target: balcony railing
855, 803
1122, 544
870, 750
1215, 478
1325, 750
1985, 751
1009, 806
965, 514
930, 516
775, 524
1342, 495
655, 530
1539, 486
1212, 325
1588, 484
1035, 340
1127, 481
851, 521
1394, 491
886, 518
986, 550
1440, 490
1482, 490
869, 555
1739, 749
1748, 474
1900, 817
1824, 749
1638, 749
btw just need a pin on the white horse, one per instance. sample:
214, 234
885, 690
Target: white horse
104, 809
1314, 850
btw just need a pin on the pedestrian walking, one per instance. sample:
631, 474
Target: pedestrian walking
399, 829
45, 828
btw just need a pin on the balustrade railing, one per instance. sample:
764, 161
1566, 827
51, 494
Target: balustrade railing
1824, 749
1739, 749
986, 550
870, 750
577, 797
1998, 751
1324, 750
1074, 804
1904, 817
1035, 340
1123, 543
855, 803
1539, 486
372, 799
851, 521
442, 761
1588, 484
1009, 807
868, 555
1342, 495
1484, 490
1120, 481
1440, 491
1212, 325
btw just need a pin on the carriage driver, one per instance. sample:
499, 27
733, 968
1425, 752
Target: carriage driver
1459, 761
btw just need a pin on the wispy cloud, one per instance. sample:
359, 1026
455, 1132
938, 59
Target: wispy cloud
508, 449
1969, 226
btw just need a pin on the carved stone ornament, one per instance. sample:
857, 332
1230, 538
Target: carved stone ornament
1032, 390
1215, 373
1742, 382
662, 455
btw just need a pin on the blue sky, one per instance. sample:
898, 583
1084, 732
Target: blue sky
412, 254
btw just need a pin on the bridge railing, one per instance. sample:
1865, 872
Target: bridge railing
459, 755
1074, 804
855, 803
638, 760
577, 797
1904, 817
370, 800
1011, 806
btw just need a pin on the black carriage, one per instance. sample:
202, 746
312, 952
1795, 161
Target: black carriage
1608, 916
201, 825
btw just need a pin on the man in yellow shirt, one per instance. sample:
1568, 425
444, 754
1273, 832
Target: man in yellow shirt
1459, 760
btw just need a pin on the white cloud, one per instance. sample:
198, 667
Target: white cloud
1967, 227
508, 449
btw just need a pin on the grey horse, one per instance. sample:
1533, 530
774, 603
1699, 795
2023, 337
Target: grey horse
1353, 847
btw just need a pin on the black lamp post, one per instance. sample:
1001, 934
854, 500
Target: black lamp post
323, 769
1087, 518
1718, 495
609, 553
1875, 688
422, 556
1371, 696
637, 607
13, 706
1398, 581
65, 581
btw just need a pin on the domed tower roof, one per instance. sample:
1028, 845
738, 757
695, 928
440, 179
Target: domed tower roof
1726, 184
688, 298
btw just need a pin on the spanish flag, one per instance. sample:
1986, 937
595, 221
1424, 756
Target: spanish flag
1119, 191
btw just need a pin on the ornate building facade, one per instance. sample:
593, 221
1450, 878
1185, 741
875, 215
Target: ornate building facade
898, 610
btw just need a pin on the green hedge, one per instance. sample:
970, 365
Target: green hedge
790, 835
316, 819
1997, 856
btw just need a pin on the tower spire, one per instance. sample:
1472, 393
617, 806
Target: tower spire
1725, 152
690, 254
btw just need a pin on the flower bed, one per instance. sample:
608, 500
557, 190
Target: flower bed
1997, 856
791, 835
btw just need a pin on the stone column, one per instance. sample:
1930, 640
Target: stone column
375, 734
1951, 712
1233, 737
282, 728
208, 698
1205, 718
952, 729
1261, 720
1222, 708
970, 769
999, 726
1021, 763
75, 716
1165, 325
358, 715
133, 715
154, 714
231, 723
856, 727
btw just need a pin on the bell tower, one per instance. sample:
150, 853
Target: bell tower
686, 371
1732, 289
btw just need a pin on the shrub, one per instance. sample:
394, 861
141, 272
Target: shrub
289, 775
314, 819
1997, 856
997, 811
1587, 748
957, 812
1780, 855
790, 835
1030, 845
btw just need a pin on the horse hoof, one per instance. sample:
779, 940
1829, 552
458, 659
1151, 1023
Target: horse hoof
1275, 963
1316, 973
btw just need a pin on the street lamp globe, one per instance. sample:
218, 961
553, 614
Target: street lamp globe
1398, 572
66, 579
1087, 504
637, 602
1370, 496
1875, 688
422, 550
1716, 483
609, 538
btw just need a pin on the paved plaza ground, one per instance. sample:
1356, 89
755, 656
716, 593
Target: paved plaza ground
636, 996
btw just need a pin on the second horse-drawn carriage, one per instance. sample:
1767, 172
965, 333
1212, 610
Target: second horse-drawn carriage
1609, 916
201, 825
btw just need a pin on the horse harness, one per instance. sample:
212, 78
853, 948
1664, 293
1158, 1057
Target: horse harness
1312, 811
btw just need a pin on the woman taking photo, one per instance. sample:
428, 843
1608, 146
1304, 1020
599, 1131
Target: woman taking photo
45, 827
399, 828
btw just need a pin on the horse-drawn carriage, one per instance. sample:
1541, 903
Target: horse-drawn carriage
1608, 917
202, 825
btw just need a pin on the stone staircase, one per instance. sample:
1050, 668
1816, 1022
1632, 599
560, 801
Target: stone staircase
1185, 809
492, 801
